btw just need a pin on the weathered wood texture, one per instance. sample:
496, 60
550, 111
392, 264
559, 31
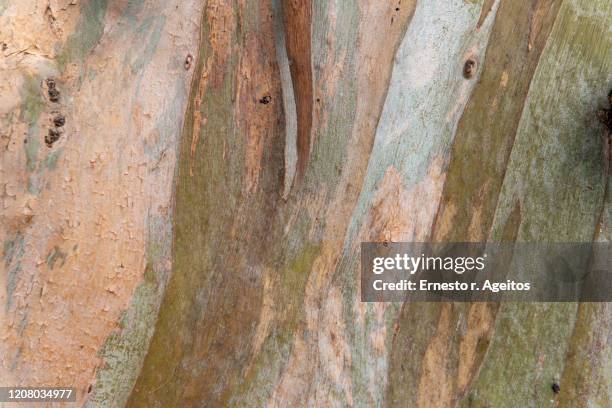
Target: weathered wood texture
192, 237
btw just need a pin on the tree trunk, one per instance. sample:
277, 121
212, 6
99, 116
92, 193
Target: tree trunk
186, 185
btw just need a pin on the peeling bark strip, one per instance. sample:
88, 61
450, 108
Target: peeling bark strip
298, 25
438, 358
556, 149
230, 176
479, 156
234, 315
480, 163
484, 137
289, 109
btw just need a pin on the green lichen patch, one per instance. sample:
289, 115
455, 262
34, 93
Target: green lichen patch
86, 35
32, 107
56, 257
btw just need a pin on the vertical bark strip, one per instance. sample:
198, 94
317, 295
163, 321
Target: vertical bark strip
231, 176
240, 324
289, 100
557, 149
479, 158
85, 220
298, 25
485, 136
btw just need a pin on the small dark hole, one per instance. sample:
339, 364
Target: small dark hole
59, 121
605, 115
265, 100
188, 61
397, 9
318, 99
556, 388
52, 136
54, 95
469, 68
89, 389
52, 91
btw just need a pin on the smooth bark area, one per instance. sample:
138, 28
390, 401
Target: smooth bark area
185, 186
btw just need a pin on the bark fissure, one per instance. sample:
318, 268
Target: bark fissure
298, 26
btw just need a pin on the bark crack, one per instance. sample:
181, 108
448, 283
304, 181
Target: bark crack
297, 19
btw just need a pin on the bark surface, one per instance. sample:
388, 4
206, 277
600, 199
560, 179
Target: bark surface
185, 185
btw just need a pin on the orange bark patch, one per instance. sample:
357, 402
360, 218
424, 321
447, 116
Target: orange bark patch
435, 386
400, 214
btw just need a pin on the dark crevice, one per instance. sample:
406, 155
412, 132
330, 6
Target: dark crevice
297, 18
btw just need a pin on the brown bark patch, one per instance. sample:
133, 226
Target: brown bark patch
435, 385
258, 97
478, 334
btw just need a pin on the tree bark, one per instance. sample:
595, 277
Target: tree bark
186, 185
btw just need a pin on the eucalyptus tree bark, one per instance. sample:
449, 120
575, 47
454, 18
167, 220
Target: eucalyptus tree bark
185, 185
